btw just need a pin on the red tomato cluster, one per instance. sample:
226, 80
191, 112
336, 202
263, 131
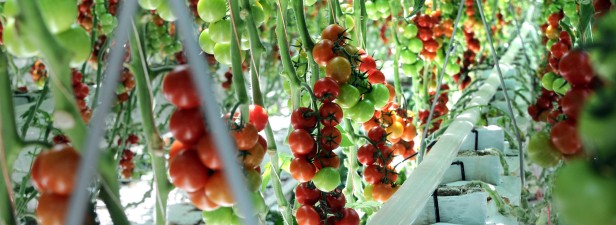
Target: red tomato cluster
81, 91
439, 110
53, 174
425, 33
85, 16
38, 72
543, 108
318, 208
229, 80
312, 155
127, 84
194, 163
126, 160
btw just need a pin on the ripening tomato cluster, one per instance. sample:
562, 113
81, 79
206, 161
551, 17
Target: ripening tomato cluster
194, 163
53, 175
425, 24
314, 156
38, 73
81, 92
84, 16
318, 208
440, 109
228, 80
126, 85
126, 159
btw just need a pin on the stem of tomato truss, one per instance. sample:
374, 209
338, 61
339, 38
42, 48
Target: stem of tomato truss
154, 142
211, 112
90, 155
450, 48
505, 92
10, 143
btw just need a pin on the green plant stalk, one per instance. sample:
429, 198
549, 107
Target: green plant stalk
239, 85
360, 22
39, 101
58, 60
154, 142
114, 206
352, 167
283, 45
11, 143
307, 42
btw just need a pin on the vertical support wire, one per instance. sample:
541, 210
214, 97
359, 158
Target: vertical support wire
89, 160
517, 24
450, 48
211, 111
502, 81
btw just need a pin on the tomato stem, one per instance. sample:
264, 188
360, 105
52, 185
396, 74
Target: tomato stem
11, 143
236, 61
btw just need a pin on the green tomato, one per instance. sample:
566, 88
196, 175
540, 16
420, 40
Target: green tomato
348, 96
372, 11
440, 58
583, 196
149, 4
206, 43
452, 69
570, 9
382, 6
16, 44
165, 12
560, 86
363, 110
542, 152
212, 10
596, 123
407, 57
379, 95
58, 15
327, 179
311, 2
368, 193
447, 8
10, 8
220, 216
410, 31
220, 31
258, 204
222, 53
253, 179
415, 45
547, 81
77, 41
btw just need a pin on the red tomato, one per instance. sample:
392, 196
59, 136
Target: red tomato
377, 135
326, 89
307, 194
573, 101
335, 201
430, 45
367, 63
218, 190
326, 159
392, 92
333, 32
382, 192
246, 137
575, 68
51, 209
564, 136
424, 34
331, 114
176, 148
307, 215
252, 157
559, 49
55, 170
323, 52
303, 118
372, 174
208, 153
178, 88
376, 77
349, 217
187, 126
258, 117
410, 131
301, 142
365, 154
302, 170
201, 201
330, 138
187, 172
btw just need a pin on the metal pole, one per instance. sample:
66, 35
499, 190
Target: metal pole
201, 77
89, 159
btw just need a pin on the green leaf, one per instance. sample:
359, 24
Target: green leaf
346, 141
267, 176
587, 12
285, 161
417, 6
